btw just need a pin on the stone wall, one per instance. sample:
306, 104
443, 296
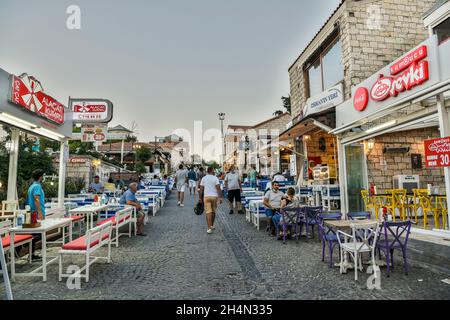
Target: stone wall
373, 34
383, 166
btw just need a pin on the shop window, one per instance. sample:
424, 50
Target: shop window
443, 31
325, 68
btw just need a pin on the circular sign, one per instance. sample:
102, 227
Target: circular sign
361, 99
99, 137
381, 89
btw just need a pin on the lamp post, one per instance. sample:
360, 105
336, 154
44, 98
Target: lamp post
222, 118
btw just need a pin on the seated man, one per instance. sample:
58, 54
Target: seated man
129, 198
96, 186
155, 180
272, 202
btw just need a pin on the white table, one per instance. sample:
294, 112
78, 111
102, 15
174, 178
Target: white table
46, 226
88, 211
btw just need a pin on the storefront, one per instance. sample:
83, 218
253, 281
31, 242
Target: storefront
24, 107
382, 129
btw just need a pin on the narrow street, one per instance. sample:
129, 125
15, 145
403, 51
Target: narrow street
179, 260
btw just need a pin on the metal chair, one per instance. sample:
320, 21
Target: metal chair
311, 218
289, 217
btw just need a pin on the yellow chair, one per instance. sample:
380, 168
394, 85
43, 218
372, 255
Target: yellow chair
369, 202
441, 204
425, 202
398, 201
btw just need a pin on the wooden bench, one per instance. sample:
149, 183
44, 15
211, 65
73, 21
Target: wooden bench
94, 239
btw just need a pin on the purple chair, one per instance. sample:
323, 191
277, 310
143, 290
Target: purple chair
394, 235
328, 236
288, 218
311, 218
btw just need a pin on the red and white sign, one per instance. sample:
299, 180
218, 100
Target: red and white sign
437, 153
415, 72
91, 110
27, 92
94, 132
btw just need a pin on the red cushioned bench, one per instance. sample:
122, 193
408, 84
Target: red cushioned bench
94, 239
123, 217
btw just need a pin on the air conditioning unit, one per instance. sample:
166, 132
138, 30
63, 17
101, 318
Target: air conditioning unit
406, 182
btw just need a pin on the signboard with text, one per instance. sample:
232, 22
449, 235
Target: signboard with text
28, 92
91, 110
94, 132
328, 99
437, 153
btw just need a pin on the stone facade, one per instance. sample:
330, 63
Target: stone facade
372, 34
383, 166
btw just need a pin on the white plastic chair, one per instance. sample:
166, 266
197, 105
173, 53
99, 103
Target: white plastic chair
10, 210
363, 239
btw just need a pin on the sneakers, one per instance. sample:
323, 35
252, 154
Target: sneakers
213, 228
181, 204
209, 231
178, 203
231, 211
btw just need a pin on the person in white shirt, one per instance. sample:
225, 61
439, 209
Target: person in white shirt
234, 187
210, 194
181, 179
278, 177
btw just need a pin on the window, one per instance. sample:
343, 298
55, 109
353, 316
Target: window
443, 31
325, 69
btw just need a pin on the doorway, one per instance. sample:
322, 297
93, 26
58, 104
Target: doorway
356, 172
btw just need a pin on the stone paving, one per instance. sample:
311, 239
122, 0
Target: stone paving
179, 260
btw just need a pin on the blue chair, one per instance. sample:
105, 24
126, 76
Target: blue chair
358, 215
328, 235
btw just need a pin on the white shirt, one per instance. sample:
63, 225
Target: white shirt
279, 178
209, 182
233, 180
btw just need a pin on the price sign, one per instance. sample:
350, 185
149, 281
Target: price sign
437, 153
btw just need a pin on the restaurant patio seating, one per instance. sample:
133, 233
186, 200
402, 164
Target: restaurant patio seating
19, 240
121, 218
394, 235
369, 202
425, 202
396, 201
363, 239
311, 218
328, 236
94, 239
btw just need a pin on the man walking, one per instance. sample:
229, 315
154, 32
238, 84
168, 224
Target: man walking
234, 187
129, 198
210, 194
192, 176
181, 179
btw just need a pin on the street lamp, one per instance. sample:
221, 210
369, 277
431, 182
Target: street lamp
222, 118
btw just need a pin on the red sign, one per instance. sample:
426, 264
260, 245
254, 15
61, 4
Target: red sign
415, 72
27, 92
361, 99
417, 55
99, 137
437, 153
89, 108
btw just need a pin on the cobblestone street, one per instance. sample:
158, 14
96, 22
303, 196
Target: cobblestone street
179, 260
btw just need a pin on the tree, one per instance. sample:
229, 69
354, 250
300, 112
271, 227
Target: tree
278, 113
140, 168
286, 103
144, 154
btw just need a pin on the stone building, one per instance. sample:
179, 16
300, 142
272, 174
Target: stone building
358, 40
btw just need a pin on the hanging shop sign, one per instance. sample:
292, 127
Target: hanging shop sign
293, 165
91, 132
91, 110
328, 99
415, 71
27, 91
437, 152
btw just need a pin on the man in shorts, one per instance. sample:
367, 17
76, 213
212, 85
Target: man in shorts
234, 187
192, 176
210, 194
181, 179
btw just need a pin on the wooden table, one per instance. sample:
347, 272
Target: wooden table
46, 226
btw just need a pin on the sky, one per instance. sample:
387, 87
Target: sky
166, 63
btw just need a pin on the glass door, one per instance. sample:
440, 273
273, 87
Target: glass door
356, 176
